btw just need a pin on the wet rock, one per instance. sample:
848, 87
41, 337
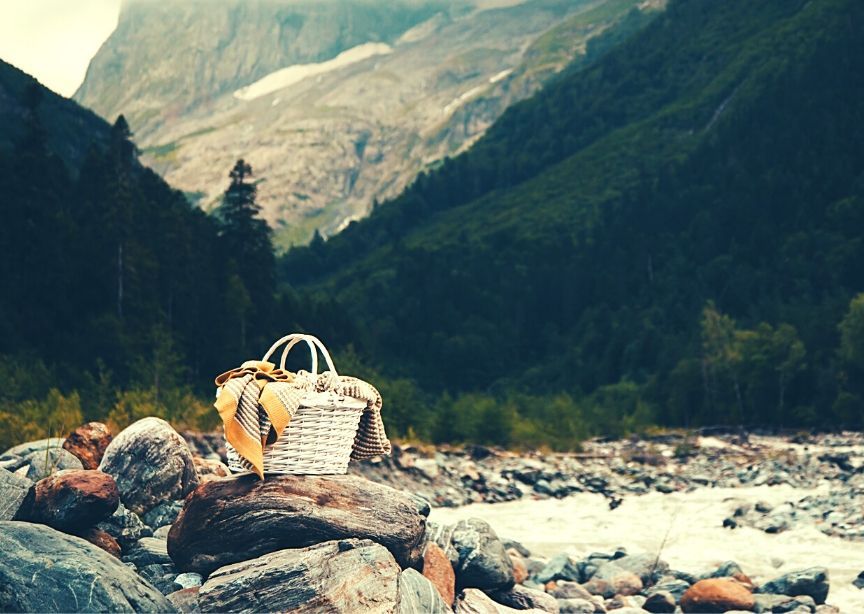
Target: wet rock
524, 598
660, 602
13, 490
812, 582
560, 567
859, 581
417, 594
163, 514
71, 500
43, 570
475, 601
125, 526
148, 551
716, 595
439, 571
103, 540
88, 443
351, 575
483, 561
185, 600
240, 517
151, 464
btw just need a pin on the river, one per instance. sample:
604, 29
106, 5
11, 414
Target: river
688, 527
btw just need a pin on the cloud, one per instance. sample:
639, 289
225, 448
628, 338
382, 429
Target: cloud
54, 40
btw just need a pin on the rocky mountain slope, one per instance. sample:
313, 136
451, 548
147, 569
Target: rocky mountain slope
335, 105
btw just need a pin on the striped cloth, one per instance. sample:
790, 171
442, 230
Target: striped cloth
257, 401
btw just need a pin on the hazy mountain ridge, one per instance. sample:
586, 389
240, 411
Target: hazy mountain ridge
328, 145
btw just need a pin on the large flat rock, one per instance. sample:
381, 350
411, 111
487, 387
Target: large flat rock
338, 576
242, 517
43, 570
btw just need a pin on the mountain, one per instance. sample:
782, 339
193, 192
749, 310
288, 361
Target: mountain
677, 226
336, 104
71, 128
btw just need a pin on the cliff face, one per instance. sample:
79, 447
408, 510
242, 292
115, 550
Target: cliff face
335, 104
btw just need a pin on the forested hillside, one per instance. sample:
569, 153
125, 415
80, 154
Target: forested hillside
671, 234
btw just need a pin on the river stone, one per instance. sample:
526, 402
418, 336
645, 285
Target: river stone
475, 601
566, 589
576, 606
483, 561
561, 567
242, 517
71, 500
674, 586
88, 443
42, 463
783, 603
353, 575
660, 602
442, 535
163, 514
151, 463
148, 551
439, 571
185, 600
103, 540
646, 566
812, 582
523, 598
13, 490
125, 526
24, 449
858, 582
418, 594
188, 580
717, 595
43, 570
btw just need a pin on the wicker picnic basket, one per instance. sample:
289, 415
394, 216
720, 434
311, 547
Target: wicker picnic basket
320, 436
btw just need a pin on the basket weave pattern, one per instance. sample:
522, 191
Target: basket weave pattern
320, 437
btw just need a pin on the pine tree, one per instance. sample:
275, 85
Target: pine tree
248, 245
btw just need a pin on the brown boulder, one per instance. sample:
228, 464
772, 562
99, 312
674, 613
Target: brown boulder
88, 443
717, 595
103, 540
241, 517
438, 570
71, 500
186, 599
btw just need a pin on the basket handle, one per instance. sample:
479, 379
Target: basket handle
294, 338
314, 344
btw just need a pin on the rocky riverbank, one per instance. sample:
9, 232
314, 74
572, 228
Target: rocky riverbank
150, 521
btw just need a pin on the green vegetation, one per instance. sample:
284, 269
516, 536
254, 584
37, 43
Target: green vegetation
681, 219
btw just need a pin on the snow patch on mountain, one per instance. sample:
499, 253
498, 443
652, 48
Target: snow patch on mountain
290, 75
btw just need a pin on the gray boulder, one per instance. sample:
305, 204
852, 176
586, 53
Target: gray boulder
23, 449
43, 570
483, 561
42, 463
417, 594
13, 489
442, 535
351, 575
812, 582
151, 463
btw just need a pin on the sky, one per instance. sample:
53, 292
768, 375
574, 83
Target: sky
53, 40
